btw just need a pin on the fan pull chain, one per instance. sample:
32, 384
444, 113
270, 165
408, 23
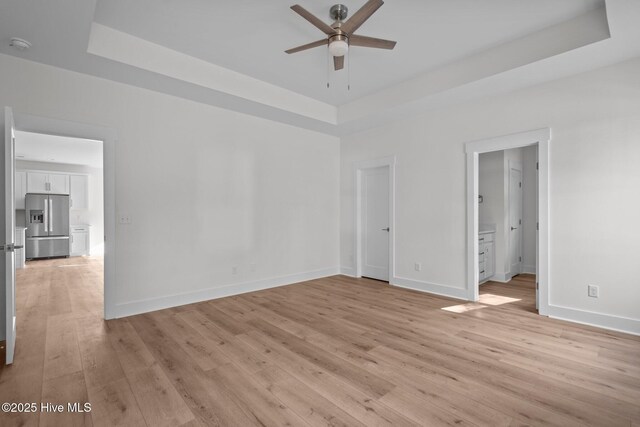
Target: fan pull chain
328, 67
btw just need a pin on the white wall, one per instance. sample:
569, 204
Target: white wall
594, 195
529, 209
207, 189
93, 216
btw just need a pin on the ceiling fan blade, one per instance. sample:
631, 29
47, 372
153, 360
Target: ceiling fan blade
338, 62
325, 28
307, 46
361, 15
365, 41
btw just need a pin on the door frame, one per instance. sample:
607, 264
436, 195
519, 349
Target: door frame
358, 168
541, 138
8, 255
108, 136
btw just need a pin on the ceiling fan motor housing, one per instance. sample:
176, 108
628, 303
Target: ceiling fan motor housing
338, 12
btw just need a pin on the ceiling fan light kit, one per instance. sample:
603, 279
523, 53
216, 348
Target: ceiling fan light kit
340, 34
339, 47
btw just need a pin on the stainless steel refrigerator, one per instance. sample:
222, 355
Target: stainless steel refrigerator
47, 221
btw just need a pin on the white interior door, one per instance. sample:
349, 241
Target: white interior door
515, 220
375, 223
9, 233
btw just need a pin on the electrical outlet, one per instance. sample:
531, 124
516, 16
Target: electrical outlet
234, 270
593, 291
418, 266
124, 219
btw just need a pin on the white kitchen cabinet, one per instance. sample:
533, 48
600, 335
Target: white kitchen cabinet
489, 259
79, 191
20, 189
37, 182
79, 240
45, 182
486, 256
58, 183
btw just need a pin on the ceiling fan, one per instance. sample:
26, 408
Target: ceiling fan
340, 34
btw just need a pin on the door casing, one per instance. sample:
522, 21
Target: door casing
37, 124
541, 138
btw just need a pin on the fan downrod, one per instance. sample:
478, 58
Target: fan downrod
338, 12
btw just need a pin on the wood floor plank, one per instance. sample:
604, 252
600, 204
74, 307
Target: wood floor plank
62, 390
113, 404
309, 405
159, 401
62, 354
256, 401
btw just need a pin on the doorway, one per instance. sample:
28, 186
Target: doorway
46, 178
374, 219
513, 212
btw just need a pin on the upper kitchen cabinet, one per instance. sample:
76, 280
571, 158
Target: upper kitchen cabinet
43, 182
79, 191
20, 188
58, 183
37, 182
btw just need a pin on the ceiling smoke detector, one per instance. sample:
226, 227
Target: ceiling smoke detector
20, 44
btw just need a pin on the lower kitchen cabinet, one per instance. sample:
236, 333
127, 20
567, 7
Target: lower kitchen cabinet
486, 256
79, 240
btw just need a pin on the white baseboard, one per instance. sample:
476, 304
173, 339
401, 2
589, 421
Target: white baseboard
606, 321
501, 277
432, 288
348, 271
159, 303
529, 269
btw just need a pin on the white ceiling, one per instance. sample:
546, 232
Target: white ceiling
250, 36
58, 149
230, 54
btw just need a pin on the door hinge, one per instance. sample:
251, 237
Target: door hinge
537, 286
519, 259
537, 226
537, 166
519, 222
520, 184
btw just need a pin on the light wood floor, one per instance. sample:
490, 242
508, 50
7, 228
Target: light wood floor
334, 351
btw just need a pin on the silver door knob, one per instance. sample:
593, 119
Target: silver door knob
385, 229
514, 228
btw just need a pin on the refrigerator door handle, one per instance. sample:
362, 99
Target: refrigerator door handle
50, 215
46, 217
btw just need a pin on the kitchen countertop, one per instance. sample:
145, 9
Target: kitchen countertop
486, 228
